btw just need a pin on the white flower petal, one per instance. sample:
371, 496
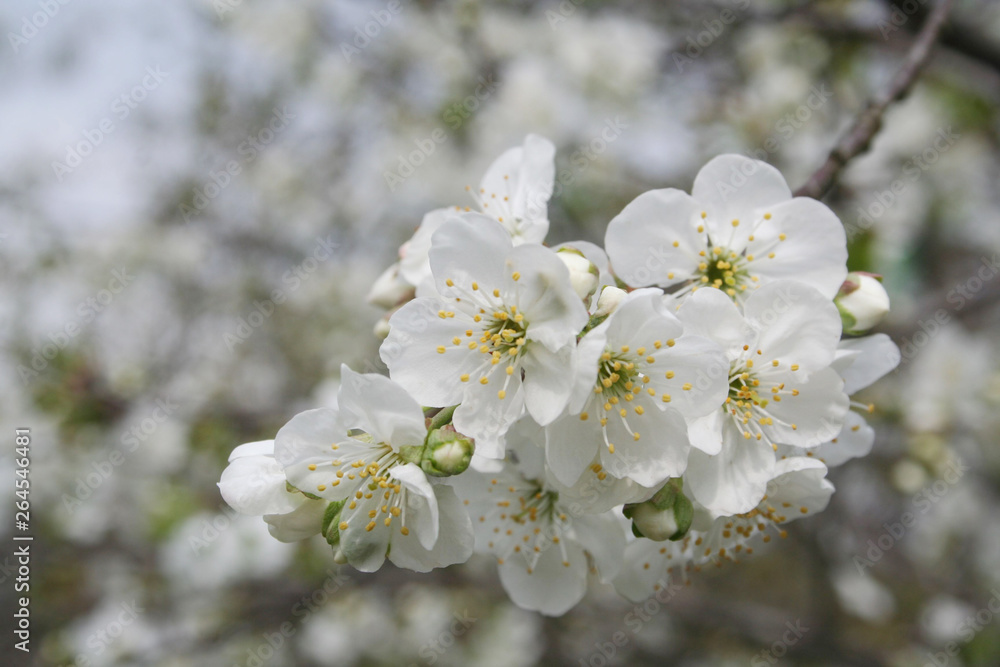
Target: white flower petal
308, 440
421, 510
255, 485
259, 448
854, 441
603, 536
548, 381
597, 491
412, 353
711, 314
705, 432
640, 240
814, 416
813, 250
365, 549
570, 446
454, 543
415, 264
661, 451
876, 356
698, 373
469, 247
486, 418
640, 319
300, 524
734, 480
733, 187
797, 324
544, 294
550, 588
642, 570
380, 407
799, 483
526, 176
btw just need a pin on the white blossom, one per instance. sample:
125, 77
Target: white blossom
359, 454
514, 191
638, 378
738, 230
502, 312
782, 389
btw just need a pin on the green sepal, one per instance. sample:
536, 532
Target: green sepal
664, 498
847, 319
446, 436
292, 489
595, 321
331, 523
683, 515
411, 453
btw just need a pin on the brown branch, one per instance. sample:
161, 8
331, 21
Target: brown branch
961, 38
867, 124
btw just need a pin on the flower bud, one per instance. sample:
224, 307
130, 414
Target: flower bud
582, 273
381, 329
390, 289
657, 525
608, 302
447, 452
665, 516
862, 302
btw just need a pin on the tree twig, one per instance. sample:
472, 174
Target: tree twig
961, 38
869, 121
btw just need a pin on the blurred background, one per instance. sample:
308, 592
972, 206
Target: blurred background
196, 195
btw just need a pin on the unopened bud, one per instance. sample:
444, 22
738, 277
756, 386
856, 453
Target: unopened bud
657, 525
608, 302
862, 302
381, 329
447, 453
582, 273
390, 289
665, 516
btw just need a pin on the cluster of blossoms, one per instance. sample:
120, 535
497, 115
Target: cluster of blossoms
570, 411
